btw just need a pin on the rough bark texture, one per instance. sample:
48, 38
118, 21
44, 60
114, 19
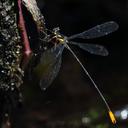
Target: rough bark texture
10, 56
31, 6
11, 52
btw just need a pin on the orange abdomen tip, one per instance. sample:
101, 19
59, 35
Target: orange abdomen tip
112, 117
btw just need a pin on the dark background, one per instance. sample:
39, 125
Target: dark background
72, 101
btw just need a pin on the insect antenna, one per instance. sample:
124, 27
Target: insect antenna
111, 115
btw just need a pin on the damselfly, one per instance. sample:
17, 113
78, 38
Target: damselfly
50, 60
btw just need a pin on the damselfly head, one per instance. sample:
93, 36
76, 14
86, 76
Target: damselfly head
56, 30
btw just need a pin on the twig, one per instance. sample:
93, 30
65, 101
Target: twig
23, 31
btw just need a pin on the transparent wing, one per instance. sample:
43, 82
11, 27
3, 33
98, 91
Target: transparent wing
49, 66
97, 31
92, 48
